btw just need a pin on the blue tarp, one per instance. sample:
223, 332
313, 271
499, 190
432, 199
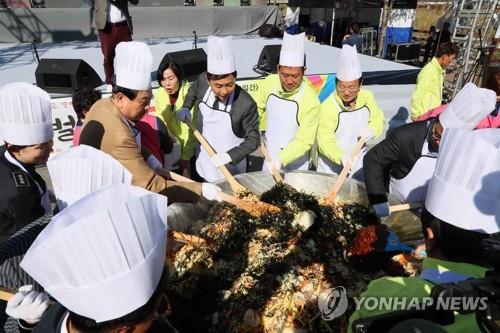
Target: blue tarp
293, 29
396, 36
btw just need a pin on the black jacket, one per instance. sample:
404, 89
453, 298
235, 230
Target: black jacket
393, 157
20, 199
12, 277
50, 320
244, 117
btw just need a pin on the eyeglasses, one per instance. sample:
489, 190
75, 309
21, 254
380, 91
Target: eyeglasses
351, 89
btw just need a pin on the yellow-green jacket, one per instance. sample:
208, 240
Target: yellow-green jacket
166, 113
329, 120
417, 287
428, 92
307, 117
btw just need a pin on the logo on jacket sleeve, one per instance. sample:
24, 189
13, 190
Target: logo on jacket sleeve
21, 179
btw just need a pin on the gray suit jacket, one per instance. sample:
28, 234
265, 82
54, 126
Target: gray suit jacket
100, 11
244, 117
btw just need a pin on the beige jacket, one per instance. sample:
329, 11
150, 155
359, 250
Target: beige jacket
105, 129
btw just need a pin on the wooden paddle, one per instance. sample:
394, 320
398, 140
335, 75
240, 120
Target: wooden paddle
254, 208
345, 171
302, 217
269, 159
235, 186
6, 295
188, 239
407, 206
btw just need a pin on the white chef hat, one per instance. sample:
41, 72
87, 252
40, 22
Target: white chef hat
292, 50
468, 108
25, 114
465, 188
349, 66
82, 170
220, 58
133, 65
103, 256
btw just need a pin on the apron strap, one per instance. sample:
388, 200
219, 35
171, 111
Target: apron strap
228, 105
298, 95
339, 107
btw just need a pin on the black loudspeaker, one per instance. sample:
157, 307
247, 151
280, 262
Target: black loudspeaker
269, 31
405, 52
269, 58
65, 76
311, 3
191, 63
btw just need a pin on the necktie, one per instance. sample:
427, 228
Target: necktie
216, 104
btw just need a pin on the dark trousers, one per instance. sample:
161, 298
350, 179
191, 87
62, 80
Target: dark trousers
110, 36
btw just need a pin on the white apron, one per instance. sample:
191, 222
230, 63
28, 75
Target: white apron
282, 126
413, 187
151, 161
216, 127
350, 126
44, 196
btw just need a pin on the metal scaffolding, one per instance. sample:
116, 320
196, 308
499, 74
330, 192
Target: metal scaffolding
473, 19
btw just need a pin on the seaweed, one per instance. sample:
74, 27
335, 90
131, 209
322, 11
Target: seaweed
265, 274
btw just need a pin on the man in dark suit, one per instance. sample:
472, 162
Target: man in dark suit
404, 162
112, 19
396, 156
225, 113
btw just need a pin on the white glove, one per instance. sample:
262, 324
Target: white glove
382, 209
221, 159
183, 114
154, 163
27, 305
276, 164
211, 192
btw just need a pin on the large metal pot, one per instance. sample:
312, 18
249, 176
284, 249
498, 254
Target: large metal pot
406, 223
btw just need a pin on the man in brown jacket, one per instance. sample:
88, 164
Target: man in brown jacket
110, 126
112, 19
